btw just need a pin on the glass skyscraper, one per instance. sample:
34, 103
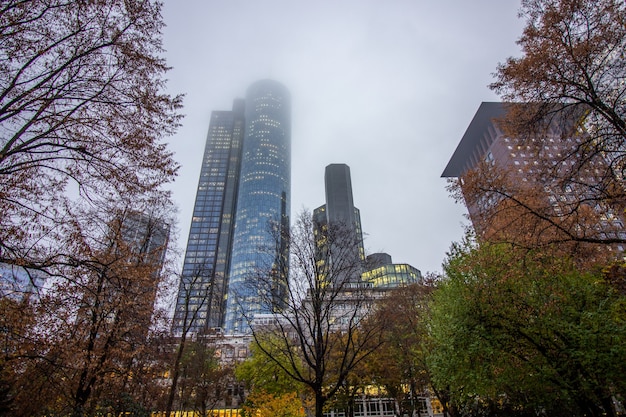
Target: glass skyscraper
263, 203
244, 187
204, 281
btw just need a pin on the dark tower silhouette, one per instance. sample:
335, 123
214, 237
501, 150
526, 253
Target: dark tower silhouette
339, 212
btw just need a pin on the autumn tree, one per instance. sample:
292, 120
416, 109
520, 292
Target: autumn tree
572, 58
264, 404
316, 332
268, 386
83, 115
400, 364
91, 329
525, 332
567, 114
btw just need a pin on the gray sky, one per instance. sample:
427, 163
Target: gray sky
387, 87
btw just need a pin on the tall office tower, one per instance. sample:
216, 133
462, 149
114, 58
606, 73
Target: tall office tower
339, 210
147, 236
262, 203
482, 141
535, 173
204, 282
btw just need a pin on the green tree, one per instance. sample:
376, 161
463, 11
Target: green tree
260, 372
525, 332
270, 390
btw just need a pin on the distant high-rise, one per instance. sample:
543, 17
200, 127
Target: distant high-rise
339, 211
146, 237
204, 282
263, 202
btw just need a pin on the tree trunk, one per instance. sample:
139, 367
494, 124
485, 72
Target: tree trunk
319, 403
607, 404
175, 376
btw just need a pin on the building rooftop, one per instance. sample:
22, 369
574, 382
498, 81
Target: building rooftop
461, 158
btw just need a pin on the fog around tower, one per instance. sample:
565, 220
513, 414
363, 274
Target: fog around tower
387, 88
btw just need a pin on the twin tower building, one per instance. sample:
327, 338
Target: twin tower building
243, 192
243, 195
244, 185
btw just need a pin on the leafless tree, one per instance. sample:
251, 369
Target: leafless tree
316, 332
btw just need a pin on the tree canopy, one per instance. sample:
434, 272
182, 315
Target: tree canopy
83, 115
526, 332
566, 103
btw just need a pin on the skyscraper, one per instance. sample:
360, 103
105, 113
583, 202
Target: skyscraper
147, 236
204, 282
262, 202
244, 187
482, 141
144, 236
339, 211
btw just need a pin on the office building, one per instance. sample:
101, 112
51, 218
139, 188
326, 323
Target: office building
382, 273
339, 212
263, 205
483, 141
543, 173
147, 237
202, 291
243, 190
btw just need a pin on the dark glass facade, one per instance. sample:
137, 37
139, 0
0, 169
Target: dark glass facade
263, 200
204, 281
339, 210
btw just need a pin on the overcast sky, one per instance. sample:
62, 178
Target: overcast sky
387, 87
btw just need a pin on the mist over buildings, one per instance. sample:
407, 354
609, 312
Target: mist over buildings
386, 88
